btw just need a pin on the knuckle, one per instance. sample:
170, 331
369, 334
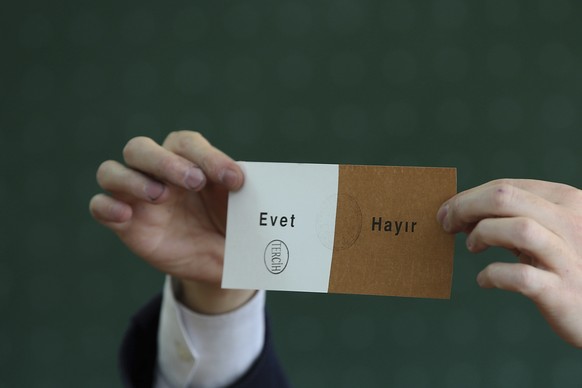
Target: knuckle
182, 139
502, 196
527, 282
207, 163
133, 145
171, 136
196, 136
526, 232
168, 166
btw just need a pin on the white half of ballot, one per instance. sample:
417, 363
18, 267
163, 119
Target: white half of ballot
280, 227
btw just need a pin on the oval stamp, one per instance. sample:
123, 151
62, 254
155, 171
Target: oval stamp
276, 256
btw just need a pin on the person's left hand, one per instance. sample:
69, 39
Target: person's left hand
541, 222
168, 204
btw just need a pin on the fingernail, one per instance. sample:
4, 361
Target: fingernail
194, 179
229, 178
442, 213
154, 190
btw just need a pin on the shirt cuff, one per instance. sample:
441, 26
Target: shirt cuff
207, 351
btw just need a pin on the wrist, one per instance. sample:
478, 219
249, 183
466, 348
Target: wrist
210, 299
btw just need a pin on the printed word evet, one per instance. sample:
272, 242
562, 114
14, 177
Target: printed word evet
267, 220
396, 227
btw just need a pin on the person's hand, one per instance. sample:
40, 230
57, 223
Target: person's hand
541, 222
168, 205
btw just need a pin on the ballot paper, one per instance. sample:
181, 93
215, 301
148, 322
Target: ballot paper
340, 229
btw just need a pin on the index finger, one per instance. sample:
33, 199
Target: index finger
502, 198
551, 191
146, 156
217, 166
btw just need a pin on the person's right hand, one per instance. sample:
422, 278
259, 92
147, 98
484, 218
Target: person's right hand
168, 205
541, 223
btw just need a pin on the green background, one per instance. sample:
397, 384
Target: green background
490, 87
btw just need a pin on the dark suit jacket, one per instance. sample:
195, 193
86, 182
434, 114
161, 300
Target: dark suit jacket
139, 349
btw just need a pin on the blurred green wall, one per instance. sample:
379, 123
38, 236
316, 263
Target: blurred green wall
490, 87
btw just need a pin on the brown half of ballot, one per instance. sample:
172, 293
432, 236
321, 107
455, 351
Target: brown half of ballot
387, 240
